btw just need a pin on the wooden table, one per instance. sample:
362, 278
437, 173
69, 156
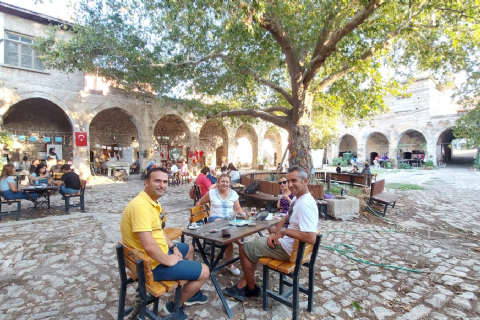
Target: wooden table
218, 240
41, 204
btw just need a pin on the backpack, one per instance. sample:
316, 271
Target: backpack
252, 188
193, 193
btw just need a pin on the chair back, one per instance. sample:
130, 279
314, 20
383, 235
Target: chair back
377, 187
198, 191
131, 255
316, 191
307, 250
163, 218
57, 176
198, 213
83, 184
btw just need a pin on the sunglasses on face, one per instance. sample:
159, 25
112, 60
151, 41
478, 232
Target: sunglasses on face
282, 182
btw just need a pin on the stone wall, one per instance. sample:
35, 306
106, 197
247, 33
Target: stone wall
377, 142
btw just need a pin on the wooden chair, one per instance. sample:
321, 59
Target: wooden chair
171, 233
119, 175
4, 202
80, 194
139, 269
199, 213
377, 194
198, 193
57, 176
302, 255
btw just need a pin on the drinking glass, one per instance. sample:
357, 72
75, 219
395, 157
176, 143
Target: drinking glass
233, 218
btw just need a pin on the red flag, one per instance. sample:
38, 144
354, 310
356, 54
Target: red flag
81, 139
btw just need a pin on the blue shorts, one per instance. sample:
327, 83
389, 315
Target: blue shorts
183, 270
211, 219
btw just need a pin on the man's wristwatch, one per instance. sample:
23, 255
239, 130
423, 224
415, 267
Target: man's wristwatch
173, 247
283, 230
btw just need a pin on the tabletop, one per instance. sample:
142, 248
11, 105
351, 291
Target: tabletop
235, 233
40, 188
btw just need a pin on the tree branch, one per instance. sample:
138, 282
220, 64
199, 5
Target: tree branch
277, 120
325, 50
270, 84
278, 109
212, 55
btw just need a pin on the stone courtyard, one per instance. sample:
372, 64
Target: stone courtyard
64, 267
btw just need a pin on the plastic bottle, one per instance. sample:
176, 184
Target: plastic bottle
343, 192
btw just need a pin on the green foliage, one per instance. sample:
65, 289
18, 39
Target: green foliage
468, 125
336, 161
476, 162
429, 163
6, 139
404, 166
357, 306
403, 186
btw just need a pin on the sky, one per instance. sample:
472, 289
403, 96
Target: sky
54, 8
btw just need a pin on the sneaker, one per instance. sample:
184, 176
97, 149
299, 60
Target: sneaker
235, 292
168, 308
234, 270
197, 298
256, 292
70, 201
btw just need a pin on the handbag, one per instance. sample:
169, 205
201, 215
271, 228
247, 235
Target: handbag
193, 193
252, 188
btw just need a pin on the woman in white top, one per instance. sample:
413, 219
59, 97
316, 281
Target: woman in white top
223, 202
234, 173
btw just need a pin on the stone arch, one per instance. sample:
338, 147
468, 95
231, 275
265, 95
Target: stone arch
410, 143
114, 127
172, 130
38, 118
214, 141
444, 148
376, 143
246, 131
347, 143
272, 145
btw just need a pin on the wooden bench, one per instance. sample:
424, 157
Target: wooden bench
353, 179
135, 266
171, 233
80, 194
377, 194
302, 255
4, 202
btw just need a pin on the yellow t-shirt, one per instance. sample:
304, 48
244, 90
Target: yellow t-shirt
142, 214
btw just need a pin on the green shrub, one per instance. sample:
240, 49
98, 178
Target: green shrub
404, 166
476, 162
429, 163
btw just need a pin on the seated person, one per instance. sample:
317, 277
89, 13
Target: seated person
354, 170
34, 164
212, 175
286, 196
57, 168
339, 168
40, 176
173, 168
224, 204
69, 183
366, 169
141, 228
302, 222
234, 173
151, 164
8, 188
204, 183
224, 169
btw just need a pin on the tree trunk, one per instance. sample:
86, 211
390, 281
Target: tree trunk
300, 153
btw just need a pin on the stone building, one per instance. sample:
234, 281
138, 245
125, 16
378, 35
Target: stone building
45, 108
420, 123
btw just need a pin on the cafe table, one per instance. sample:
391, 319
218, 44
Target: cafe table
43, 191
218, 241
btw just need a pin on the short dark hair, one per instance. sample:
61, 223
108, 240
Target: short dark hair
205, 170
65, 167
367, 166
339, 164
155, 169
301, 171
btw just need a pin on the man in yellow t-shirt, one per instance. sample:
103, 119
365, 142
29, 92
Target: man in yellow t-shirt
141, 228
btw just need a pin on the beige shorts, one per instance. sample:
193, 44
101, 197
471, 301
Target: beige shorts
259, 249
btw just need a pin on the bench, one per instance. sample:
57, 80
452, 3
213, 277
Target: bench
134, 266
353, 179
80, 194
4, 202
302, 255
377, 194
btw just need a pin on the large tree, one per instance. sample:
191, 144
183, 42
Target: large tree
286, 62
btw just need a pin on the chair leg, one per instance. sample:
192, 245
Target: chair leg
281, 285
82, 203
67, 205
265, 287
385, 210
19, 206
155, 306
295, 302
121, 301
311, 287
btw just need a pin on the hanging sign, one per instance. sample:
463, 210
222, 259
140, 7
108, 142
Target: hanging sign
32, 139
115, 148
58, 139
81, 139
21, 138
104, 147
46, 139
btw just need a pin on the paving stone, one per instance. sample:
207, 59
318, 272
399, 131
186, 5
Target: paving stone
332, 306
415, 313
382, 313
462, 303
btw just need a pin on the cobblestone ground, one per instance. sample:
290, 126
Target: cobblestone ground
64, 267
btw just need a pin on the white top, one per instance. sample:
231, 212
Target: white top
174, 168
304, 218
219, 207
235, 175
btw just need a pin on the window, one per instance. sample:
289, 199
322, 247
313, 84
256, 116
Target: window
403, 104
19, 52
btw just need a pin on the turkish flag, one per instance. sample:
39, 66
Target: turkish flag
81, 139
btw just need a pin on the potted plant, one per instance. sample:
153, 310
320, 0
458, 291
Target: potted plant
260, 164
